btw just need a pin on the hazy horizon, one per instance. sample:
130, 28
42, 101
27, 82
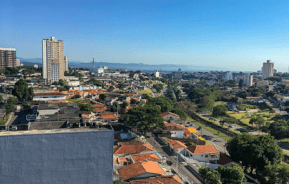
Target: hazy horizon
238, 35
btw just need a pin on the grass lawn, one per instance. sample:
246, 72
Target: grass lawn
3, 122
285, 140
224, 136
147, 92
245, 117
220, 103
78, 100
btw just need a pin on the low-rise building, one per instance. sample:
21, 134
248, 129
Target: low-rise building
202, 153
140, 170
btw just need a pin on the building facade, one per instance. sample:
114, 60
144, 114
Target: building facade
247, 80
7, 58
229, 76
71, 156
157, 74
52, 60
267, 70
178, 74
66, 63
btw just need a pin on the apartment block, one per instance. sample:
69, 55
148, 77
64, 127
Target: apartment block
53, 60
7, 58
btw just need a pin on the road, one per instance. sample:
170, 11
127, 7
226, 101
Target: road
164, 151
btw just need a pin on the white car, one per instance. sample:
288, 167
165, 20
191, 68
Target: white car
164, 157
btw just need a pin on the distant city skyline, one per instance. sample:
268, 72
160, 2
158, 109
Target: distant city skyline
238, 35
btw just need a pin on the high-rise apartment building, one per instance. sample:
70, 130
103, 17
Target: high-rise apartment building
229, 76
267, 70
7, 58
247, 80
52, 60
66, 63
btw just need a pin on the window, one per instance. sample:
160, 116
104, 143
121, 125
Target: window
206, 156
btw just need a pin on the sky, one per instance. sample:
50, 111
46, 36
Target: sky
231, 34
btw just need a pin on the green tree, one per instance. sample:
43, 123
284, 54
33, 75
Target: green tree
158, 87
219, 110
124, 105
211, 177
110, 89
102, 96
10, 105
180, 112
143, 118
114, 107
76, 96
258, 120
21, 90
86, 107
254, 152
162, 102
1, 98
233, 174
119, 182
275, 174
61, 82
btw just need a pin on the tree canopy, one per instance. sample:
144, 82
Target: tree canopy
158, 87
21, 90
86, 107
144, 118
254, 152
162, 102
219, 110
211, 177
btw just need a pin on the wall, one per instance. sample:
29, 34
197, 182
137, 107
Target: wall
78, 157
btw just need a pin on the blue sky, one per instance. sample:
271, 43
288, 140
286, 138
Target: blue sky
237, 35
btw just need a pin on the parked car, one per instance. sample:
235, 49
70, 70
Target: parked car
169, 163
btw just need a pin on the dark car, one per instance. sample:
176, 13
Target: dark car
169, 162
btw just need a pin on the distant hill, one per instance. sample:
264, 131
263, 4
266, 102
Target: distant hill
129, 66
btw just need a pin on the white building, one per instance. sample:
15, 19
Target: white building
35, 66
229, 76
247, 80
202, 153
17, 62
105, 67
72, 83
267, 70
157, 74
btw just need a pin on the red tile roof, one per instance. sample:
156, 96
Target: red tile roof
198, 149
145, 157
98, 105
174, 179
49, 94
108, 116
131, 149
177, 144
99, 110
167, 113
136, 169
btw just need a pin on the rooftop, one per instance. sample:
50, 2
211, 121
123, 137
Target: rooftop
173, 179
202, 149
145, 157
140, 168
54, 131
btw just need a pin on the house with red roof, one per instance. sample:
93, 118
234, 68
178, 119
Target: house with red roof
169, 116
122, 150
176, 146
202, 153
173, 179
140, 170
109, 117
